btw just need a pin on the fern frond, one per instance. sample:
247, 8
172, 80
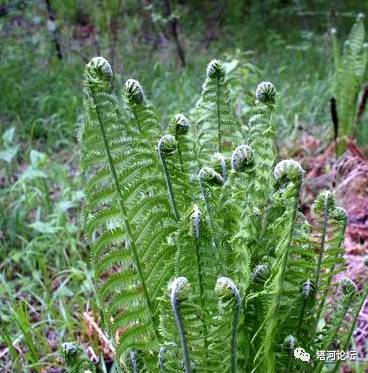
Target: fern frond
288, 173
237, 191
124, 194
176, 179
218, 130
351, 67
76, 360
326, 239
197, 261
349, 291
227, 324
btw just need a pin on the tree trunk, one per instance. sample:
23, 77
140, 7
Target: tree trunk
54, 30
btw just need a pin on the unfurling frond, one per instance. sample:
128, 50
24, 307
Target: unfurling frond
208, 176
98, 73
241, 158
167, 145
219, 163
288, 170
76, 360
348, 286
261, 273
135, 93
216, 125
265, 93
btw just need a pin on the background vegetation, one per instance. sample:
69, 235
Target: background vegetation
45, 286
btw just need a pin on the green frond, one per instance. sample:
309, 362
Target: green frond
225, 326
289, 195
76, 360
351, 68
124, 194
327, 236
217, 128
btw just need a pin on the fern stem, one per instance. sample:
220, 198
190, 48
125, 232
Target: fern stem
301, 318
209, 214
218, 115
199, 269
163, 359
177, 286
180, 158
199, 272
137, 121
161, 364
124, 216
168, 183
234, 333
323, 241
133, 361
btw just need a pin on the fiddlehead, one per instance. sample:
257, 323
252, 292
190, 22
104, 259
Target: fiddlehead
208, 176
196, 261
142, 112
98, 74
261, 140
196, 228
242, 172
260, 273
219, 163
242, 158
308, 291
290, 343
168, 359
179, 127
215, 71
134, 91
323, 205
133, 361
266, 93
255, 205
288, 171
76, 360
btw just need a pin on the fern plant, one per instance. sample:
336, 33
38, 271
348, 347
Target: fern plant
201, 259
350, 72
